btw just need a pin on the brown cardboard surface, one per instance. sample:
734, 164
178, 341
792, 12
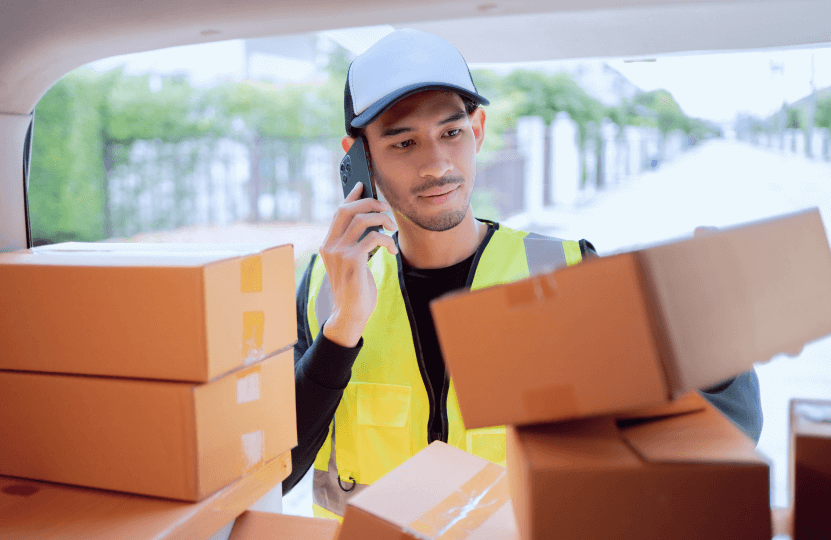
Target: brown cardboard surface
262, 525
810, 474
32, 510
155, 311
741, 295
164, 439
690, 476
690, 402
637, 329
441, 492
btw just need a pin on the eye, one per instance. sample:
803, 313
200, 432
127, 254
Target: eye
403, 144
454, 132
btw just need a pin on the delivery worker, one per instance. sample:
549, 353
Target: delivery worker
372, 389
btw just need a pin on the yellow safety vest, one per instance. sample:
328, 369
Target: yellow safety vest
383, 417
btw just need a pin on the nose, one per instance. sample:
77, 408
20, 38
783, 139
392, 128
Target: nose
436, 162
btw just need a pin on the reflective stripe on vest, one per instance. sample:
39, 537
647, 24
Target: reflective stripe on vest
383, 417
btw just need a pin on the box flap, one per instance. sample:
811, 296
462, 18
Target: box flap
689, 402
741, 295
701, 437
590, 444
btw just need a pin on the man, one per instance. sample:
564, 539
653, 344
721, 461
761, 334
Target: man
371, 384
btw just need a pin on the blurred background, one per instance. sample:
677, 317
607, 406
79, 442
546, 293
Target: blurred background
239, 141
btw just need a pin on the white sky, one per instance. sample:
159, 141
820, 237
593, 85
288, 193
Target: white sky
712, 86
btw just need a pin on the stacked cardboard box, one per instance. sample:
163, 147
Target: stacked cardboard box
810, 474
253, 525
161, 370
441, 492
602, 339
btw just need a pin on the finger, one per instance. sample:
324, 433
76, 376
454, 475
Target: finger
363, 206
362, 222
348, 210
355, 194
376, 239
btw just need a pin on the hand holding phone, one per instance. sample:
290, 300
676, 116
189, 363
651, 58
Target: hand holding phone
345, 255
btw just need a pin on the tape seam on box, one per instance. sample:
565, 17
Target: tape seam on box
251, 274
253, 327
464, 510
248, 388
253, 449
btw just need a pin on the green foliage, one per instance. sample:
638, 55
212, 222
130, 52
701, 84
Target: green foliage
545, 95
134, 112
670, 117
794, 119
823, 116
484, 206
66, 180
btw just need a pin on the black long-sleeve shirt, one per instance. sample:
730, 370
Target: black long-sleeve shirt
323, 369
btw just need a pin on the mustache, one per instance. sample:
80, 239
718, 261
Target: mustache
438, 182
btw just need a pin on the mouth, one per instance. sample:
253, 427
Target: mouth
439, 196
439, 191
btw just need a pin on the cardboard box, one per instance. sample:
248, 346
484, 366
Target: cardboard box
637, 329
31, 510
186, 312
810, 477
441, 492
263, 525
164, 439
690, 476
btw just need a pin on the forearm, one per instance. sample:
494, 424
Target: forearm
320, 377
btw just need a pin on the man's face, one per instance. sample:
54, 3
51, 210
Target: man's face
423, 152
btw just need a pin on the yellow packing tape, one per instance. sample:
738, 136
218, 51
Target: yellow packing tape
253, 325
252, 274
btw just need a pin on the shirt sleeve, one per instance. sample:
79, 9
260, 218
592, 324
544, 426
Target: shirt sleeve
322, 370
738, 399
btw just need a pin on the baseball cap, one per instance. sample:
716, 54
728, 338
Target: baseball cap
398, 65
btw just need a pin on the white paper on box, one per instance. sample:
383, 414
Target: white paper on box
248, 388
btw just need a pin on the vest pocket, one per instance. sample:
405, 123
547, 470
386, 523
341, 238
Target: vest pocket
488, 443
372, 431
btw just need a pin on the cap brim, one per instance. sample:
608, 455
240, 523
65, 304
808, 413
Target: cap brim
377, 108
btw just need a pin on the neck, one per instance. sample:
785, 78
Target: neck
431, 249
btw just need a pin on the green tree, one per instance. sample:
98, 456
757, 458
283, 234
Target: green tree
793, 118
823, 116
669, 116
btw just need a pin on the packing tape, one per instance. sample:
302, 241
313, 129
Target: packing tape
252, 274
248, 387
542, 402
253, 324
253, 449
457, 516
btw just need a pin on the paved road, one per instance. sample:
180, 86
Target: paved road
720, 183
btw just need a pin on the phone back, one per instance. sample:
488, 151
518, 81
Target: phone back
354, 169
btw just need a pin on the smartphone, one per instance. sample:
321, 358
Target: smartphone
354, 169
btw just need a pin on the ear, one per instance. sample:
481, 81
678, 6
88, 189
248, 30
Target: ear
477, 122
347, 142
